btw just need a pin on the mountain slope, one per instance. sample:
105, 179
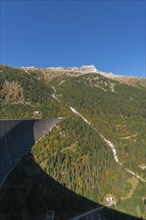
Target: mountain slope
23, 95
100, 144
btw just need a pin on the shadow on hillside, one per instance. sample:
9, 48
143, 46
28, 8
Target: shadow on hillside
14, 144
19, 140
29, 192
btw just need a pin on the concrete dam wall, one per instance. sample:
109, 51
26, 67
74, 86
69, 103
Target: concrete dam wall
6, 127
16, 139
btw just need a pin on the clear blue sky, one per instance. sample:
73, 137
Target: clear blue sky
108, 34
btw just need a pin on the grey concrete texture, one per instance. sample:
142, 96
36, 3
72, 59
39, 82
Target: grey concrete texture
16, 139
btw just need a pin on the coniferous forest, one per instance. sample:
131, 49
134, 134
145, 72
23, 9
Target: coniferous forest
74, 164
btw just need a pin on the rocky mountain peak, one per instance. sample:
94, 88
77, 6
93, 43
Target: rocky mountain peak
90, 68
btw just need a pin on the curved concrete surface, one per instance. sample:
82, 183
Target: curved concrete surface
16, 139
6, 127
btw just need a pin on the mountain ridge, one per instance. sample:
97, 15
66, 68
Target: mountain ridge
84, 69
128, 80
101, 136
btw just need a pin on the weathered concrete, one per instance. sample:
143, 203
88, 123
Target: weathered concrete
6, 127
16, 139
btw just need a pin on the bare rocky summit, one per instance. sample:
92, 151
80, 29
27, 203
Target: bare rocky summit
50, 73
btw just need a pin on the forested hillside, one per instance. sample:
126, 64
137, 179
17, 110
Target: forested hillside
75, 155
23, 95
116, 110
99, 147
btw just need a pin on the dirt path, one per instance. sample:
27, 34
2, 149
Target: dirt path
109, 143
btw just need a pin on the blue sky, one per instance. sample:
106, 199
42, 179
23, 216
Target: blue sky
108, 34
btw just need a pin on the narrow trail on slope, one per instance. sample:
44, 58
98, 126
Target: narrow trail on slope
26, 71
77, 113
109, 143
134, 174
54, 94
